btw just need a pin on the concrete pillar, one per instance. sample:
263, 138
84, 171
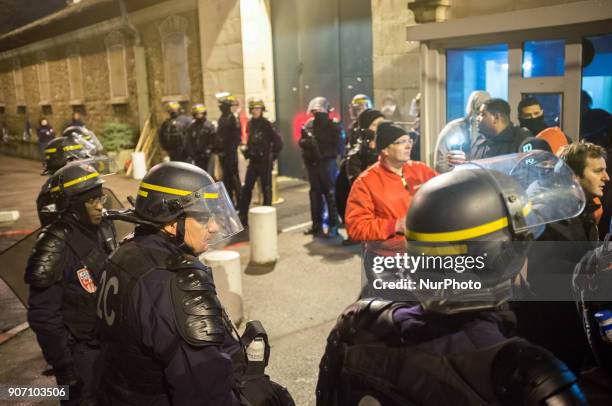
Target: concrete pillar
262, 235
430, 11
228, 280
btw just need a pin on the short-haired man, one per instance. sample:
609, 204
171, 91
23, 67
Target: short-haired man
531, 115
555, 324
500, 135
380, 197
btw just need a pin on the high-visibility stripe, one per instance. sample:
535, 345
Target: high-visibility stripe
457, 249
460, 235
76, 181
50, 150
73, 147
143, 193
177, 192
163, 189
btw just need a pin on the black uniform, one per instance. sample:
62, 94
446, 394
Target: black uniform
320, 142
228, 140
402, 355
200, 136
160, 318
172, 137
506, 142
263, 146
45, 206
62, 273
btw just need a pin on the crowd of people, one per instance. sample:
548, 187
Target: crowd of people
139, 322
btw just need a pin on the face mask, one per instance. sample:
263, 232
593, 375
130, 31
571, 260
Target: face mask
321, 116
535, 125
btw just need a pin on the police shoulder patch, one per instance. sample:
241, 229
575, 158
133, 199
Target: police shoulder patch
198, 311
86, 280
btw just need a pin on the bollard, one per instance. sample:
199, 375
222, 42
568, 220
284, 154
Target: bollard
262, 235
6, 216
139, 165
228, 280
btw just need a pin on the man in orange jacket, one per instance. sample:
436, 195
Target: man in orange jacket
381, 195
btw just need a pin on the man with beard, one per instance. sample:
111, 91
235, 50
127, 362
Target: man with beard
62, 272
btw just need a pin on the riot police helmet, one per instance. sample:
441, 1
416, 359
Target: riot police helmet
76, 182
227, 99
173, 107
473, 227
319, 105
362, 101
62, 150
257, 103
175, 191
198, 109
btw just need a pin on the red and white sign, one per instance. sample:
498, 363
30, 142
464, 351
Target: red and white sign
86, 280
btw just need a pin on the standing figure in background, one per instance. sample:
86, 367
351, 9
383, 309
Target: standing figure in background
229, 137
200, 137
457, 137
320, 139
45, 134
75, 121
172, 133
263, 146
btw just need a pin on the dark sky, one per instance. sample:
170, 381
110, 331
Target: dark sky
16, 13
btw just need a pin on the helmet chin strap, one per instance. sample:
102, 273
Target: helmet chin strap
180, 236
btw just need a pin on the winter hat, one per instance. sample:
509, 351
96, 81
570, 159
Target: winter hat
366, 118
387, 133
533, 143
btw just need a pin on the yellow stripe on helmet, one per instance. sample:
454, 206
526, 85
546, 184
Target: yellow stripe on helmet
164, 189
76, 181
460, 235
72, 147
143, 193
50, 150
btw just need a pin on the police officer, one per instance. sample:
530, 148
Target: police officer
62, 273
263, 146
228, 140
166, 337
58, 153
86, 137
172, 133
321, 137
200, 137
452, 348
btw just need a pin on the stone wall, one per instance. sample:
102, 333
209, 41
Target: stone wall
395, 61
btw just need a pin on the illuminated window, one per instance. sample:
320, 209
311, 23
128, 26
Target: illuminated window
117, 72
174, 47
44, 83
543, 58
75, 75
18, 82
474, 68
597, 72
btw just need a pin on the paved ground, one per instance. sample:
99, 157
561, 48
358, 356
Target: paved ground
298, 299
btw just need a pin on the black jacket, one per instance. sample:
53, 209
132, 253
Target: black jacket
229, 135
506, 142
200, 139
264, 143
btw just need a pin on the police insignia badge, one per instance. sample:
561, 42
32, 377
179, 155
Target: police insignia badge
86, 280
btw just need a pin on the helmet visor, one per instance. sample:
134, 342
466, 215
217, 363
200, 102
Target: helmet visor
212, 208
102, 164
548, 191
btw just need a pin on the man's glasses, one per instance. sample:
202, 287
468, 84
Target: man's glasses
94, 201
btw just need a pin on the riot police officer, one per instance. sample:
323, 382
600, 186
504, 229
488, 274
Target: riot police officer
321, 137
58, 153
166, 337
228, 140
454, 346
62, 272
200, 137
172, 133
86, 137
263, 146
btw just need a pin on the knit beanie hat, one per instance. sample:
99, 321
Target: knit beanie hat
366, 118
387, 133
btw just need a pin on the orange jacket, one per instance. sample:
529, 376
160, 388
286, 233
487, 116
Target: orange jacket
378, 198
